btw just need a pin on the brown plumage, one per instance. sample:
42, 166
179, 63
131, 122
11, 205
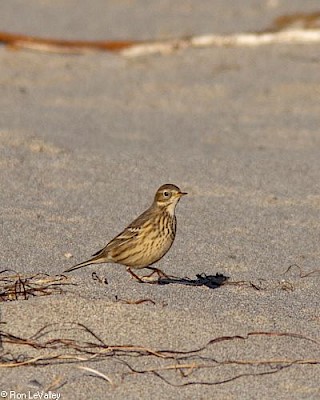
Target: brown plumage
147, 239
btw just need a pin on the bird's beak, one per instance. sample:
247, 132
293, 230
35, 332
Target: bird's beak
182, 194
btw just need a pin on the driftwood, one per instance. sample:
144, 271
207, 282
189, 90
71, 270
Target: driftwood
281, 31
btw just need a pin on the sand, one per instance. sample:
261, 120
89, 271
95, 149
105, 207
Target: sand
86, 140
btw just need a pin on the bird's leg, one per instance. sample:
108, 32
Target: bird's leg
158, 271
134, 275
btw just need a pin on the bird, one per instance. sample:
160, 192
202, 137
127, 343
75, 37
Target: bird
146, 239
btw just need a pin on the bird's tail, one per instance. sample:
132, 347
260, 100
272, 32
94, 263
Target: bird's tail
93, 260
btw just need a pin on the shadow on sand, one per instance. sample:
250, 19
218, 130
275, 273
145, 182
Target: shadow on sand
210, 281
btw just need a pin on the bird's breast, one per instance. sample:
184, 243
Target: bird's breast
154, 240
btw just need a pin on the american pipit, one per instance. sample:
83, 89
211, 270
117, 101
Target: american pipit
147, 239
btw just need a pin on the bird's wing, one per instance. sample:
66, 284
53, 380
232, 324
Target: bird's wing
124, 237
128, 234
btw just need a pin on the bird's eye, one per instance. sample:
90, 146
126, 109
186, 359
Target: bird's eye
166, 194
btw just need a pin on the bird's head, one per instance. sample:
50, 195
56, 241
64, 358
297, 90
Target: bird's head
168, 196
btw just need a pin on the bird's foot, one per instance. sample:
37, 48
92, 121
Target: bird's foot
149, 278
135, 276
161, 274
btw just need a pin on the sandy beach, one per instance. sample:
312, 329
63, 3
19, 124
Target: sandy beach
86, 140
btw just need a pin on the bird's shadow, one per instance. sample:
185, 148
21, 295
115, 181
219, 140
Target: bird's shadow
210, 281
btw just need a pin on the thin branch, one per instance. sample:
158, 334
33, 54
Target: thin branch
134, 48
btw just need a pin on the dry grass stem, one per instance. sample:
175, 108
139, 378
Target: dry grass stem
56, 349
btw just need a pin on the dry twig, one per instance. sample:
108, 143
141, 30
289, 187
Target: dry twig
301, 273
282, 31
17, 286
185, 363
